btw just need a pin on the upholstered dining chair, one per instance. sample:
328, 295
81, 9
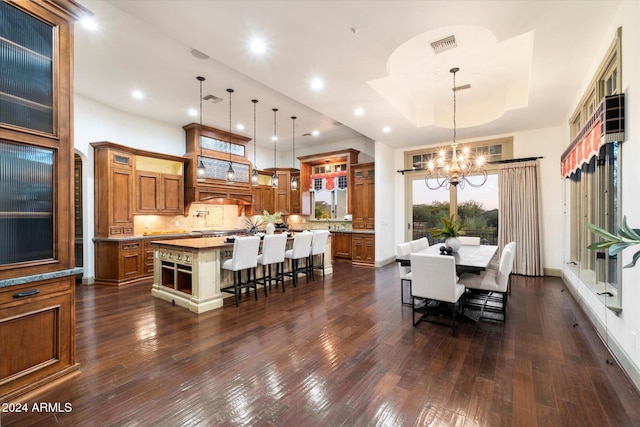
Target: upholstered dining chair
300, 251
493, 281
469, 240
273, 248
318, 245
244, 257
494, 265
418, 244
404, 249
433, 279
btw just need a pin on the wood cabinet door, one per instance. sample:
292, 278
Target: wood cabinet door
282, 193
357, 249
172, 195
121, 186
342, 245
148, 192
131, 260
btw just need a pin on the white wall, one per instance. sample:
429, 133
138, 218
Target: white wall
621, 330
386, 209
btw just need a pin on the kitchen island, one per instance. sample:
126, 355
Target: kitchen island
188, 273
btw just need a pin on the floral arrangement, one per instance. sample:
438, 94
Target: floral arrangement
624, 237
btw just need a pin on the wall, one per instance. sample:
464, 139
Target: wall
620, 330
386, 212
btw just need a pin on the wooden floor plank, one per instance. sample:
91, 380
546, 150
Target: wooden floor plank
335, 352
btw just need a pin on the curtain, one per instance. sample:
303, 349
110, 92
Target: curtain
519, 215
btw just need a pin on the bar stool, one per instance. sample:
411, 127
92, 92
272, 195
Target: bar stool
273, 247
245, 257
318, 245
300, 250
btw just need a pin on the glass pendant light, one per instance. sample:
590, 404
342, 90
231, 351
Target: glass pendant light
294, 179
255, 178
231, 175
200, 170
274, 178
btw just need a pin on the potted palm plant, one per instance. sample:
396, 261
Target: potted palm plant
452, 227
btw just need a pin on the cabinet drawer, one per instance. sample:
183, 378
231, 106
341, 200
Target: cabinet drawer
29, 291
130, 246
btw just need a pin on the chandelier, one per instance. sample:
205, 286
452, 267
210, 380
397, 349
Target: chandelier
459, 169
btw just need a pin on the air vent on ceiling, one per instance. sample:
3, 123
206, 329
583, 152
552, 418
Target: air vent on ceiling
462, 87
444, 44
212, 98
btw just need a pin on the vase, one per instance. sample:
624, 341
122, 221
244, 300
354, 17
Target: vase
453, 243
271, 228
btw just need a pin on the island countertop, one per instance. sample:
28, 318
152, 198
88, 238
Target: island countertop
196, 243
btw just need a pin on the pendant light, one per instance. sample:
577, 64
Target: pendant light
274, 178
294, 178
200, 170
231, 175
255, 178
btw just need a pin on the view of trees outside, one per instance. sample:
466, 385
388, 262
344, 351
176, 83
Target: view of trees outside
477, 207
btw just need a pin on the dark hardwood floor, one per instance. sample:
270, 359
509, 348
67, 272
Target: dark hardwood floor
338, 352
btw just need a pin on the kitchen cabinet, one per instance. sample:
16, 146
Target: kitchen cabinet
341, 244
286, 201
263, 199
363, 196
159, 186
363, 249
119, 262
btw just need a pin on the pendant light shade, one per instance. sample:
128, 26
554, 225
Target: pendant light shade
255, 178
231, 175
200, 170
294, 179
274, 178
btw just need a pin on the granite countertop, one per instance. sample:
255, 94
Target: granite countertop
197, 243
169, 235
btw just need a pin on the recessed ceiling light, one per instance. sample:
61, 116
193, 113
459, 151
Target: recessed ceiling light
315, 132
89, 23
359, 112
258, 46
317, 84
386, 129
193, 112
137, 94
240, 126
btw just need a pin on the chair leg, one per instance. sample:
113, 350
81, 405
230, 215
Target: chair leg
453, 316
311, 269
322, 265
306, 268
264, 280
236, 288
255, 283
504, 307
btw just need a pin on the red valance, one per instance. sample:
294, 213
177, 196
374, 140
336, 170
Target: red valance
604, 126
329, 181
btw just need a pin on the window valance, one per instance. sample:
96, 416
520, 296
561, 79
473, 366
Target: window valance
328, 181
604, 126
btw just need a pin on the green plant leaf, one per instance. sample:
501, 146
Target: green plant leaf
627, 232
599, 245
618, 247
602, 233
635, 259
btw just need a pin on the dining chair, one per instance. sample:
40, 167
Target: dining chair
244, 257
469, 240
318, 246
418, 244
494, 265
273, 248
434, 281
490, 282
404, 249
300, 251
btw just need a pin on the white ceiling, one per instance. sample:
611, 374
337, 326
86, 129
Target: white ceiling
524, 61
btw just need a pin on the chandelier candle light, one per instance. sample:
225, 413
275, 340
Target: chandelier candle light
255, 179
294, 179
455, 171
200, 170
274, 178
231, 175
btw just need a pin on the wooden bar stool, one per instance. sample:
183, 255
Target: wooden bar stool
300, 250
245, 257
318, 245
273, 247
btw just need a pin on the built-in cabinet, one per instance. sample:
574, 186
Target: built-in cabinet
285, 200
37, 268
363, 248
363, 196
132, 182
341, 244
119, 262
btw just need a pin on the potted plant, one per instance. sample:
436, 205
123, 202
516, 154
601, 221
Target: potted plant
624, 237
452, 227
270, 219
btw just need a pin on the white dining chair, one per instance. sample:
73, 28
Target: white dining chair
494, 265
318, 246
404, 249
300, 251
244, 257
433, 278
273, 248
493, 281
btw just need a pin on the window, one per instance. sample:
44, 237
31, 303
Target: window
477, 207
329, 194
594, 187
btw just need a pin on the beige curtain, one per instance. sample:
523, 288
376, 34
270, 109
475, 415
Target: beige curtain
519, 215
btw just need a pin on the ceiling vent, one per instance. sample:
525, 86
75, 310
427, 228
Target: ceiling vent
444, 44
462, 87
212, 98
